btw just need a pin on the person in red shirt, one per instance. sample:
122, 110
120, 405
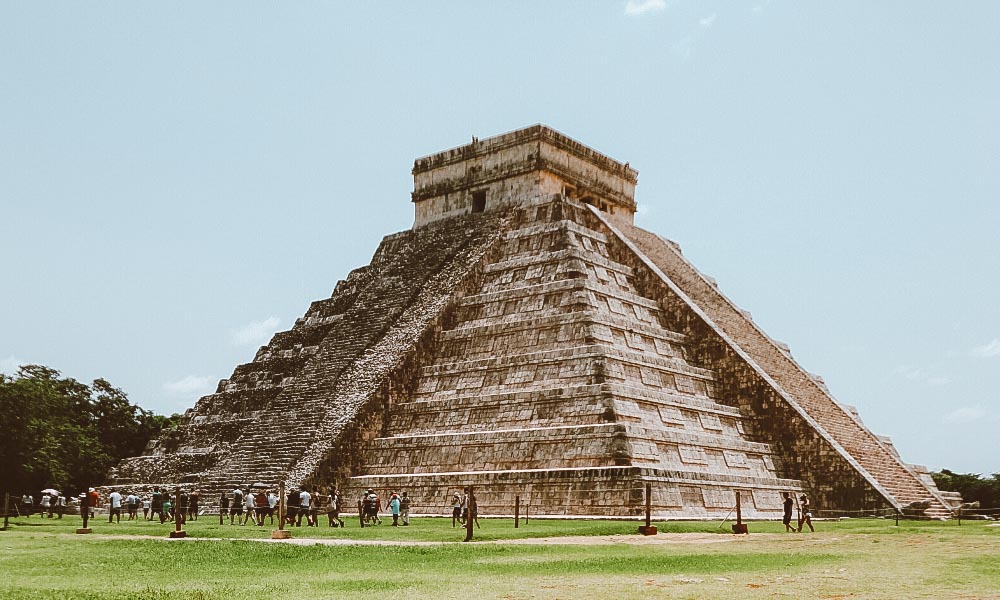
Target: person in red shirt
93, 499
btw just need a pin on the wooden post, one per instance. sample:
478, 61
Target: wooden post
85, 512
178, 531
517, 510
468, 514
6, 510
648, 528
959, 516
281, 533
897, 517
739, 527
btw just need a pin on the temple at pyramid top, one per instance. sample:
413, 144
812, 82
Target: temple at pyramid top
517, 167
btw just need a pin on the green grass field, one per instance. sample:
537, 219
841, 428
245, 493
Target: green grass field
860, 558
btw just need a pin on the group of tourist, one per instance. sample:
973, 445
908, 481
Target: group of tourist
159, 504
308, 504
52, 504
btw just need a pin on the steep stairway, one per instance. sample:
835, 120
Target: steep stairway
876, 462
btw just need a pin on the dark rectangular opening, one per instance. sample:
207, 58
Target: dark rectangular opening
479, 201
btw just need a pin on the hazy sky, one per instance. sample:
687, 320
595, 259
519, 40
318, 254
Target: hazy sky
178, 180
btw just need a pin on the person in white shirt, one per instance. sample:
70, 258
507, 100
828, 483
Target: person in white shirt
116, 506
60, 505
132, 504
305, 499
248, 505
45, 506
272, 503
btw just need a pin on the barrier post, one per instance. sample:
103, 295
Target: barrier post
517, 510
281, 533
648, 528
469, 500
739, 527
897, 517
959, 516
6, 510
85, 512
178, 531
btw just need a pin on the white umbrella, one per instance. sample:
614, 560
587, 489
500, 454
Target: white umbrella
51, 491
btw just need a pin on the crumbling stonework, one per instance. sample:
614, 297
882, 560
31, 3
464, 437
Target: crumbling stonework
525, 338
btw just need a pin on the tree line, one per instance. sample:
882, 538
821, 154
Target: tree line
973, 487
58, 432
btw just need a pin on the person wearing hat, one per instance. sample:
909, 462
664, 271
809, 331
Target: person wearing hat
457, 502
805, 514
93, 498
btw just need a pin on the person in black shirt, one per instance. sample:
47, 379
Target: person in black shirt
787, 516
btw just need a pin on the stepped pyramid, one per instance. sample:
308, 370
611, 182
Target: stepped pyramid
526, 338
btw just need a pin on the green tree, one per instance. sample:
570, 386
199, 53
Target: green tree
58, 432
973, 487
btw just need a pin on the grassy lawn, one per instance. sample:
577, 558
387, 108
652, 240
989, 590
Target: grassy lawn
863, 559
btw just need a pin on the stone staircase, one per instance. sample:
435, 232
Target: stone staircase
263, 421
861, 447
554, 379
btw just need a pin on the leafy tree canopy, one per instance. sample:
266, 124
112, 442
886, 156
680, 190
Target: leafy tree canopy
973, 487
58, 432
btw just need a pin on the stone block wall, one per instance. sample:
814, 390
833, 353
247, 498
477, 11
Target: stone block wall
553, 369
820, 443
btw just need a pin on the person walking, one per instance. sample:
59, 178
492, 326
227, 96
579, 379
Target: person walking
236, 507
249, 503
223, 507
132, 505
292, 506
404, 509
115, 501
456, 509
393, 506
180, 511
786, 516
806, 513
193, 505
156, 505
272, 505
334, 514
305, 503
93, 499
260, 506
145, 509
45, 506
27, 504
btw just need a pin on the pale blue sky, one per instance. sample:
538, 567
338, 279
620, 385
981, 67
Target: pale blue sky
179, 180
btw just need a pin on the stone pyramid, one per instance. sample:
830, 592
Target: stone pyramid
525, 338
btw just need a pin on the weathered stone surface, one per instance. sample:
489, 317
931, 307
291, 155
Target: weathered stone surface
526, 339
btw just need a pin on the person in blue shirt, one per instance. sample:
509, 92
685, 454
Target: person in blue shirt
394, 508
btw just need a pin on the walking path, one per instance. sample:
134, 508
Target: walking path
583, 540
